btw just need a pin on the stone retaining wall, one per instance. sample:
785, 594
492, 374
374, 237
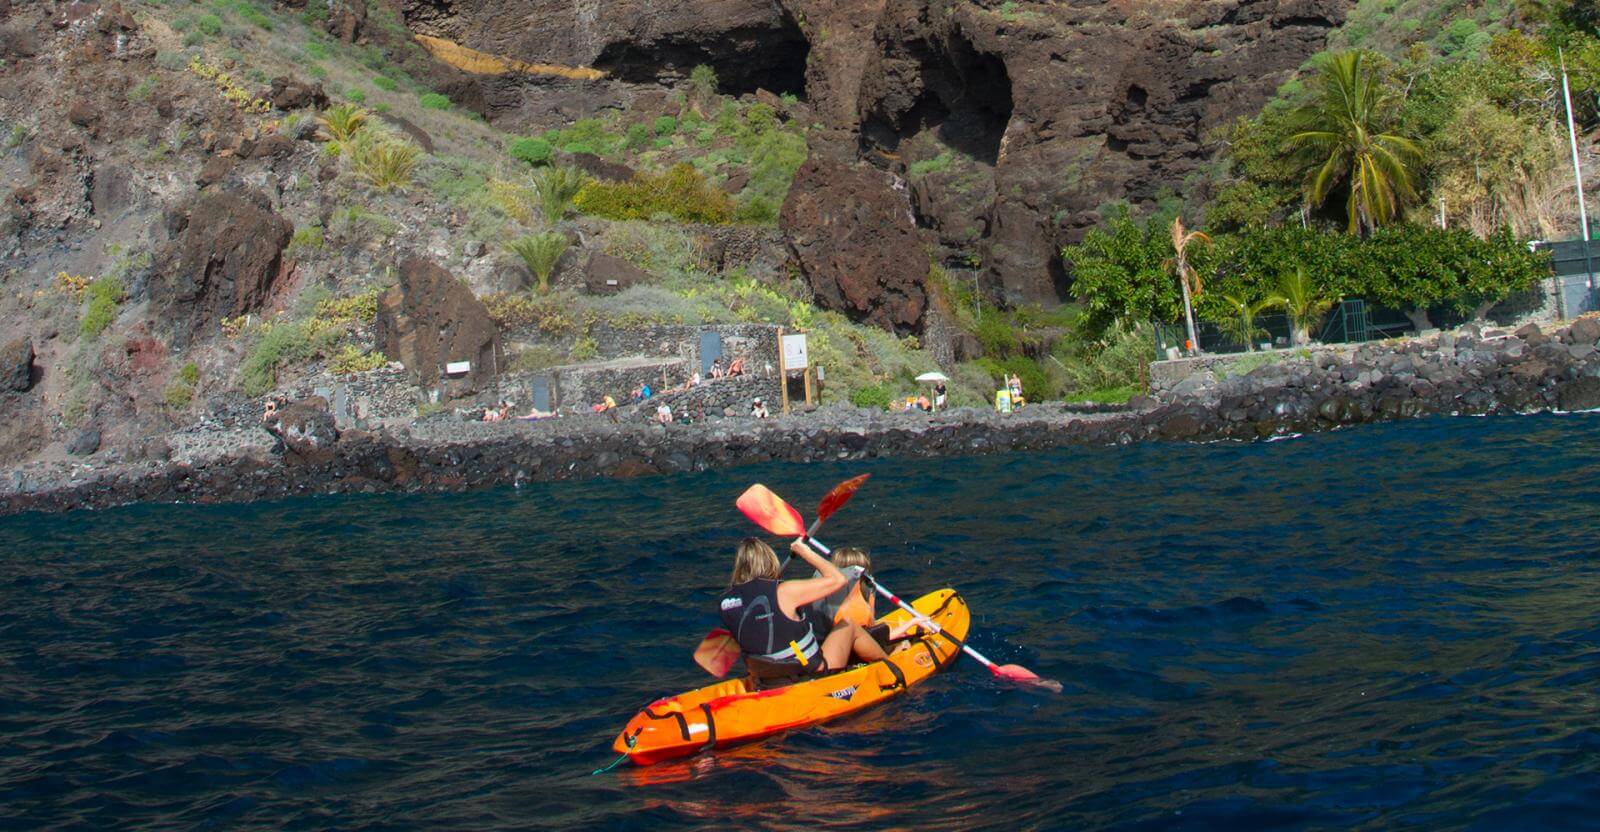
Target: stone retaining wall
715, 399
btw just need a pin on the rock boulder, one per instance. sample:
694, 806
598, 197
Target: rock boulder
852, 235
224, 254
604, 274
431, 320
16, 365
288, 93
306, 428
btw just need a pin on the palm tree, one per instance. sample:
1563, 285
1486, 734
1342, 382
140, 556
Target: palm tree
540, 253
1240, 322
1188, 278
1302, 303
555, 187
1343, 138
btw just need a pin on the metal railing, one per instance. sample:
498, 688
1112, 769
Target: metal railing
1350, 321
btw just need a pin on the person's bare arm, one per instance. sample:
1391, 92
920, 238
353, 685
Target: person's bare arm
792, 595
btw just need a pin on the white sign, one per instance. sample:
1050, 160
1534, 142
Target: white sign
457, 368
794, 352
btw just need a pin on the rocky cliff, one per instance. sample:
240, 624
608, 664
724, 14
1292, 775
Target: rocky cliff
1014, 124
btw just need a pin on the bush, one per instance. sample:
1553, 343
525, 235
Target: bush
666, 126
658, 249
534, 151
551, 313
105, 299
317, 51
574, 148
382, 162
681, 192
875, 396
178, 395
142, 90
171, 61
638, 137
434, 101
209, 24
280, 345
352, 359
385, 83
356, 94
584, 349
340, 123
189, 374
306, 240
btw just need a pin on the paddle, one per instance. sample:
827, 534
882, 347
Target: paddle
718, 651
1008, 672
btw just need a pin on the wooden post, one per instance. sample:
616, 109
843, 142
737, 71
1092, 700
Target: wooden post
783, 376
808, 387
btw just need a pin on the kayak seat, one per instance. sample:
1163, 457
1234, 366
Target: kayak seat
766, 675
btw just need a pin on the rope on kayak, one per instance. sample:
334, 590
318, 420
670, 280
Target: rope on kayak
631, 740
614, 764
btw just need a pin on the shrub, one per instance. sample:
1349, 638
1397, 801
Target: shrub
356, 94
340, 123
142, 90
434, 101
536, 357
352, 359
574, 148
663, 142
550, 313
209, 24
385, 83
681, 192
279, 345
105, 298
317, 50
703, 82
935, 165
178, 395
360, 308
189, 374
638, 137
666, 126
540, 253
382, 162
556, 187
875, 396
584, 349
306, 240
534, 151
658, 249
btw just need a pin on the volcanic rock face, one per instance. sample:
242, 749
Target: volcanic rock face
852, 236
1033, 116
430, 320
225, 254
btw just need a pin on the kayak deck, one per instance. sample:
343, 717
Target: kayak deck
731, 712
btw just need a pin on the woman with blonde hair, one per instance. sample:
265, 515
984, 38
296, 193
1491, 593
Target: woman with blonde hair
856, 602
771, 621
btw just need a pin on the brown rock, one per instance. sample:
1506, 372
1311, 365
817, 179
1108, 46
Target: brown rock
1584, 331
225, 252
287, 93
604, 274
272, 146
597, 167
16, 364
416, 133
850, 232
83, 114
346, 19
307, 430
214, 170
430, 320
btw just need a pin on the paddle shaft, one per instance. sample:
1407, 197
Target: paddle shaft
918, 616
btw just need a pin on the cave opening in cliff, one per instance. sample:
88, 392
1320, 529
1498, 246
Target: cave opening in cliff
965, 100
746, 59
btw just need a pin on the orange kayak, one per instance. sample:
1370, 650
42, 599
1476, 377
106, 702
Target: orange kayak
731, 712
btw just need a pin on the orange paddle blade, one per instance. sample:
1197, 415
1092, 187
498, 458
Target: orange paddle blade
1023, 676
717, 653
770, 512
841, 494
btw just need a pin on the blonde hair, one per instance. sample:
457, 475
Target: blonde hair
851, 556
753, 559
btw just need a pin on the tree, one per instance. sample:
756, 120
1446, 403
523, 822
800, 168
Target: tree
1345, 125
1495, 169
1238, 322
556, 186
1121, 272
540, 253
1301, 301
1188, 278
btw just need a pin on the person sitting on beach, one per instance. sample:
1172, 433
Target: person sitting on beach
770, 619
605, 404
638, 393
736, 368
664, 414
758, 409
717, 369
923, 404
645, 392
694, 380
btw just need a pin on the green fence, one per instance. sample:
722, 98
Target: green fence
1348, 322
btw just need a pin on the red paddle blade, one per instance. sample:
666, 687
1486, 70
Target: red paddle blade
717, 653
1023, 676
841, 494
770, 512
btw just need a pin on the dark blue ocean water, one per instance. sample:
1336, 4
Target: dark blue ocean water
1390, 627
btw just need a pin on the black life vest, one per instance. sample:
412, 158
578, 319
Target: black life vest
750, 611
